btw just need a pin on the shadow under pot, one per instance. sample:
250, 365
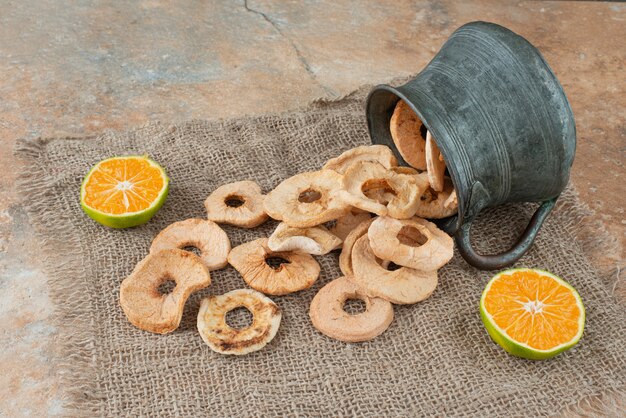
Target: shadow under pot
501, 121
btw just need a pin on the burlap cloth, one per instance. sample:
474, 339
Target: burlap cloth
435, 359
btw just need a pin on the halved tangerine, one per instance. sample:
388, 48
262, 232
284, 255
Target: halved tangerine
121, 192
532, 313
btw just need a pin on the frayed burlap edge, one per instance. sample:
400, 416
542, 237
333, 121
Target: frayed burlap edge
602, 249
611, 403
75, 341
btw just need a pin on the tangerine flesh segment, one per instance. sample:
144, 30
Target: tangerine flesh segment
533, 309
123, 185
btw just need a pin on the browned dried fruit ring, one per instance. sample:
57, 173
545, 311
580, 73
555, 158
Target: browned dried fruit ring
307, 199
343, 226
273, 273
206, 236
409, 135
145, 306
315, 240
378, 153
224, 339
403, 169
239, 204
436, 205
436, 165
451, 201
414, 243
345, 259
329, 317
398, 194
401, 286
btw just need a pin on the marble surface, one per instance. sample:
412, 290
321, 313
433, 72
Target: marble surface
80, 67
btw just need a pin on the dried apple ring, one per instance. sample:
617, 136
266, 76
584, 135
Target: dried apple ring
343, 226
414, 243
329, 317
436, 166
451, 201
402, 286
315, 240
409, 135
206, 236
145, 305
371, 187
271, 272
432, 204
403, 169
224, 339
378, 153
239, 204
345, 259
307, 199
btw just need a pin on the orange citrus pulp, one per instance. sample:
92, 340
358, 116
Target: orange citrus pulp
534, 310
119, 186
121, 192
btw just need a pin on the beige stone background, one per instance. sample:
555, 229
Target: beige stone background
80, 67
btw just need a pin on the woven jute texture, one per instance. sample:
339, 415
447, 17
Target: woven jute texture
435, 359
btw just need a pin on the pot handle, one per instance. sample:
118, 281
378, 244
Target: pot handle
505, 259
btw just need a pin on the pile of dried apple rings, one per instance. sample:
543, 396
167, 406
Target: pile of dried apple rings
361, 202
